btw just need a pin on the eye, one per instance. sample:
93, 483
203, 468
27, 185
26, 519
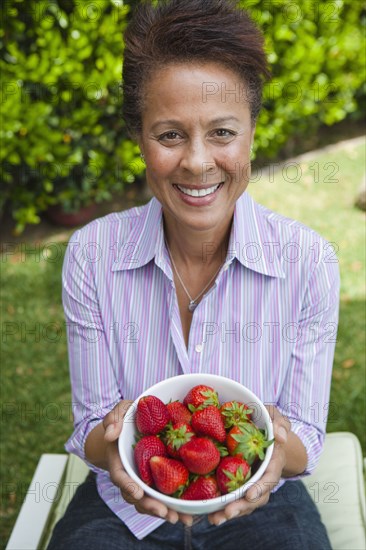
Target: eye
169, 136
224, 133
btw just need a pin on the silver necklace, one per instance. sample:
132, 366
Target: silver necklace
192, 302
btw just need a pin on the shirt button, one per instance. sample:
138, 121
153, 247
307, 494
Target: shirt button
199, 348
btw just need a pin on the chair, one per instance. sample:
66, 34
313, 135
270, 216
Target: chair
337, 487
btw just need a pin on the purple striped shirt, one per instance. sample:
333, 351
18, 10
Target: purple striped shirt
269, 322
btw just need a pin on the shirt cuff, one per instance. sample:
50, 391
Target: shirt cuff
313, 440
76, 443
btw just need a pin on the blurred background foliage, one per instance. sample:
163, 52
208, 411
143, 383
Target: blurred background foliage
62, 136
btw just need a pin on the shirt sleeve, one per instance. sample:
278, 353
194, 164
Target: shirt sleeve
93, 382
305, 396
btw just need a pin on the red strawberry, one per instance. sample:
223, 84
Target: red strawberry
151, 415
231, 443
201, 396
232, 473
169, 475
178, 412
234, 413
201, 488
247, 441
208, 421
146, 448
200, 455
177, 435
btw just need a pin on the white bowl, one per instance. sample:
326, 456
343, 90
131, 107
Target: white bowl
176, 388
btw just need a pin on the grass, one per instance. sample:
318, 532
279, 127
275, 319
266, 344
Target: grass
327, 207
36, 415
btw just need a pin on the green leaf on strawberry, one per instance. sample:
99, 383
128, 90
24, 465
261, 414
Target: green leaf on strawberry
251, 442
201, 396
234, 413
236, 480
221, 448
177, 435
232, 473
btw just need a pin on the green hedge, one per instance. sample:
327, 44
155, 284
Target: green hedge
63, 140
316, 50
63, 137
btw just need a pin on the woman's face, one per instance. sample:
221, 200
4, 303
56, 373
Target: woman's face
196, 139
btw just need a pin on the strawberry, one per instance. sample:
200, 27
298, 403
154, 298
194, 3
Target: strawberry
201, 396
208, 421
146, 448
151, 415
231, 442
247, 441
200, 455
201, 488
178, 412
234, 413
232, 473
170, 475
177, 435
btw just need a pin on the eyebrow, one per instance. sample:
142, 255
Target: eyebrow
173, 122
222, 119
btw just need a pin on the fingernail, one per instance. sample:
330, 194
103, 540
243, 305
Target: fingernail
109, 429
221, 522
173, 520
282, 433
162, 515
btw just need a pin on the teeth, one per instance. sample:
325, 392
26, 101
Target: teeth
200, 192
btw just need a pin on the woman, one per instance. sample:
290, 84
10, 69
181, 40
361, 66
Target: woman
201, 279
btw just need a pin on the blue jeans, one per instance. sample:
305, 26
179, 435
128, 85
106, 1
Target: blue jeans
289, 521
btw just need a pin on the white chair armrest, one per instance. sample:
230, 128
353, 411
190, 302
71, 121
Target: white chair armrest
42, 493
337, 487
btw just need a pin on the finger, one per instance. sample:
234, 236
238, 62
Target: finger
268, 481
187, 519
257, 495
280, 434
115, 418
241, 507
281, 428
153, 507
112, 432
172, 516
217, 518
131, 491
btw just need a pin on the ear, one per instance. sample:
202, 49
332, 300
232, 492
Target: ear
252, 132
138, 139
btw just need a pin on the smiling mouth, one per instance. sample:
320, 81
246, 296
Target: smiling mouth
199, 192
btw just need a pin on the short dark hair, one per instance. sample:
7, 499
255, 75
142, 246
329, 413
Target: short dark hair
190, 31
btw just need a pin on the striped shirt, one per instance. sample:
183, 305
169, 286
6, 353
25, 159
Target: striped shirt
268, 322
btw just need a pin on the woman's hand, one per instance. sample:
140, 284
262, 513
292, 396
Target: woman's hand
131, 491
258, 495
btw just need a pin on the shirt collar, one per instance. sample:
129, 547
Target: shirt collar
254, 240
147, 238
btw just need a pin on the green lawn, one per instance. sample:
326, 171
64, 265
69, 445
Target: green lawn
36, 412
327, 207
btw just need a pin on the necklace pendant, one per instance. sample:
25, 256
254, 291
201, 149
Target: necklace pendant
192, 306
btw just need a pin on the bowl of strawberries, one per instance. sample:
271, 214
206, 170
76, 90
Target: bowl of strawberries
196, 442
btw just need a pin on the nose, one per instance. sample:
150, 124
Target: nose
197, 158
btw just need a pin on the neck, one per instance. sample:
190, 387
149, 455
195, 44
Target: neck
192, 248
